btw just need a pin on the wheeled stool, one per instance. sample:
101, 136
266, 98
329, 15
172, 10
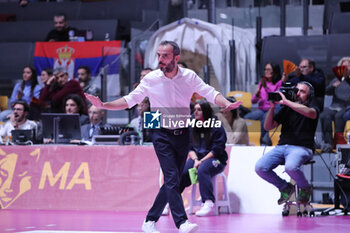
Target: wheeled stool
308, 208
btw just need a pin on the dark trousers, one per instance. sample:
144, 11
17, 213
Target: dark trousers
207, 170
326, 118
172, 151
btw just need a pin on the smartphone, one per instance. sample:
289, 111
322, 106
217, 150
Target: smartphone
274, 96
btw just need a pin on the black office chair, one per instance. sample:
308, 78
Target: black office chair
341, 183
341, 187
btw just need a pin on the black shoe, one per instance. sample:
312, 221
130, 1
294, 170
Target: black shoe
286, 194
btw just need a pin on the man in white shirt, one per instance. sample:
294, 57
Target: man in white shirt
169, 90
18, 119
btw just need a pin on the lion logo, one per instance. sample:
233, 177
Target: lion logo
14, 182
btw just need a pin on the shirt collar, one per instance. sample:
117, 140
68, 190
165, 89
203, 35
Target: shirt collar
178, 74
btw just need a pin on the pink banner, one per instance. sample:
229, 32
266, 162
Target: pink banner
78, 177
65, 177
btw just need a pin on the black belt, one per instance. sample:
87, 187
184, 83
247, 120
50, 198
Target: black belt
175, 132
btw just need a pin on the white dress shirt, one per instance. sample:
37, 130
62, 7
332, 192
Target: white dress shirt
8, 127
171, 95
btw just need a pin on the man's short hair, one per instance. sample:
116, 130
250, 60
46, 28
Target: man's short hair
176, 48
61, 15
24, 104
86, 68
311, 62
311, 93
59, 70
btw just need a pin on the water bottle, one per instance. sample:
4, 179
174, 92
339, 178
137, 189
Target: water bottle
71, 35
107, 37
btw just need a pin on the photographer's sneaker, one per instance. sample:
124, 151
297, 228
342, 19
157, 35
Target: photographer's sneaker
304, 195
286, 194
188, 227
166, 210
206, 208
149, 227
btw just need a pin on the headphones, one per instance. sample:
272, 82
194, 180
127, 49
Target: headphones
311, 93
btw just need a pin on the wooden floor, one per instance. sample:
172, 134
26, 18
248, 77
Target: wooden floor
35, 221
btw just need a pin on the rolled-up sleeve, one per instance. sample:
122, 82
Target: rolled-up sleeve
136, 96
204, 89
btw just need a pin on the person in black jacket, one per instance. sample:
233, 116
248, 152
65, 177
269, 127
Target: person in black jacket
61, 31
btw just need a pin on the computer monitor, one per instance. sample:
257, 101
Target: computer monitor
344, 6
61, 127
23, 136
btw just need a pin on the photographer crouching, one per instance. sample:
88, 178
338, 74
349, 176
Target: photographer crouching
298, 117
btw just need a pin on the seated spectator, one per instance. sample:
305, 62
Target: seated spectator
95, 122
18, 119
271, 82
37, 106
235, 126
137, 123
61, 31
74, 104
27, 88
57, 88
84, 78
182, 64
143, 73
207, 154
340, 91
346, 116
24, 90
45, 76
307, 71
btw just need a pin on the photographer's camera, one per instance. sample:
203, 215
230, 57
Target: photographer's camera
289, 92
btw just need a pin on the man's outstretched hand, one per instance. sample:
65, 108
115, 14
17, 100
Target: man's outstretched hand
95, 100
232, 106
